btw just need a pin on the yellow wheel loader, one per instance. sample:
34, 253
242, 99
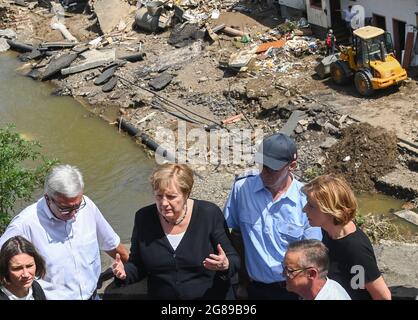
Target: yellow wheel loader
370, 60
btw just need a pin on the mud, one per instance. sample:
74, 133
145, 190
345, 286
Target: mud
363, 154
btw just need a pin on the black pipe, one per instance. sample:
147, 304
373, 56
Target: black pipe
126, 126
154, 146
133, 57
145, 139
19, 46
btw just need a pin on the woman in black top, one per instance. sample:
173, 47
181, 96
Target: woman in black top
182, 245
20, 263
332, 206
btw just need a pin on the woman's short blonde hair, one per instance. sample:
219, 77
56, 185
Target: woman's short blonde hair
333, 196
179, 174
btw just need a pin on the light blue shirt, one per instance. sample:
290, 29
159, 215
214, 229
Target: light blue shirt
267, 226
70, 248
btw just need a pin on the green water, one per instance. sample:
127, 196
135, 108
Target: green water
379, 204
115, 169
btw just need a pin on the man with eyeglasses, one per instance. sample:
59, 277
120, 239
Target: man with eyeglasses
69, 231
306, 267
265, 212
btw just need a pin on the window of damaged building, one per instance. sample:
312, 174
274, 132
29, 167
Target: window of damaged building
316, 3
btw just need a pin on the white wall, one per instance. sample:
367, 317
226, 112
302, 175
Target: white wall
316, 15
403, 10
297, 4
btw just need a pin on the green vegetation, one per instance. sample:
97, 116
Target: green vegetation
22, 170
381, 227
312, 172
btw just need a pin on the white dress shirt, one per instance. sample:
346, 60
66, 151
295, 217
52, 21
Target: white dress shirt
71, 249
332, 290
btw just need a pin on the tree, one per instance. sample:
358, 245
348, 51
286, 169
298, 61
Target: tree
22, 170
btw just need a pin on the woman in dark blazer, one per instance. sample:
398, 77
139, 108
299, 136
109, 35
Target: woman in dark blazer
20, 263
182, 245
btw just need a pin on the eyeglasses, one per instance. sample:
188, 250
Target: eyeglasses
68, 210
290, 273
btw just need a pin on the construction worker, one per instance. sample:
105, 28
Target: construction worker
330, 42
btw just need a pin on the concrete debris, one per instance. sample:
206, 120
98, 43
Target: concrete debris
58, 63
4, 46
172, 59
291, 124
161, 81
92, 59
110, 13
145, 21
408, 215
110, 85
105, 76
184, 34
8, 33
328, 143
241, 58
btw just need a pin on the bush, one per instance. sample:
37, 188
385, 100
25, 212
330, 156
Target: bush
22, 170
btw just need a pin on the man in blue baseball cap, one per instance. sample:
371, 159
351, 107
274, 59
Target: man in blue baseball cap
265, 210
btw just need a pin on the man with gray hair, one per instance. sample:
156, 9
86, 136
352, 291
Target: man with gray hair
69, 231
305, 268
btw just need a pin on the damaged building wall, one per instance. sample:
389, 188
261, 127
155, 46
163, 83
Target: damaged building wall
316, 12
292, 8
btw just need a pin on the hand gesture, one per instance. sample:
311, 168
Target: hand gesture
217, 262
118, 268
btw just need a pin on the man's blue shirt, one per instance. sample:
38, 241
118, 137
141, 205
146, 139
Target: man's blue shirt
267, 226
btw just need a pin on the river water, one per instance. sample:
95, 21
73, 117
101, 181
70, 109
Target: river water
115, 168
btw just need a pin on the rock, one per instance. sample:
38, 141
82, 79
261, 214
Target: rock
395, 261
331, 128
408, 215
185, 34
237, 91
110, 13
321, 121
401, 183
299, 129
110, 85
7, 33
4, 46
105, 76
34, 74
256, 88
328, 143
161, 81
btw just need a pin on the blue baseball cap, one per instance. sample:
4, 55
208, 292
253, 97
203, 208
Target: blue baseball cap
276, 151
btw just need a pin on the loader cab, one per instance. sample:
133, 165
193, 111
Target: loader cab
371, 44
